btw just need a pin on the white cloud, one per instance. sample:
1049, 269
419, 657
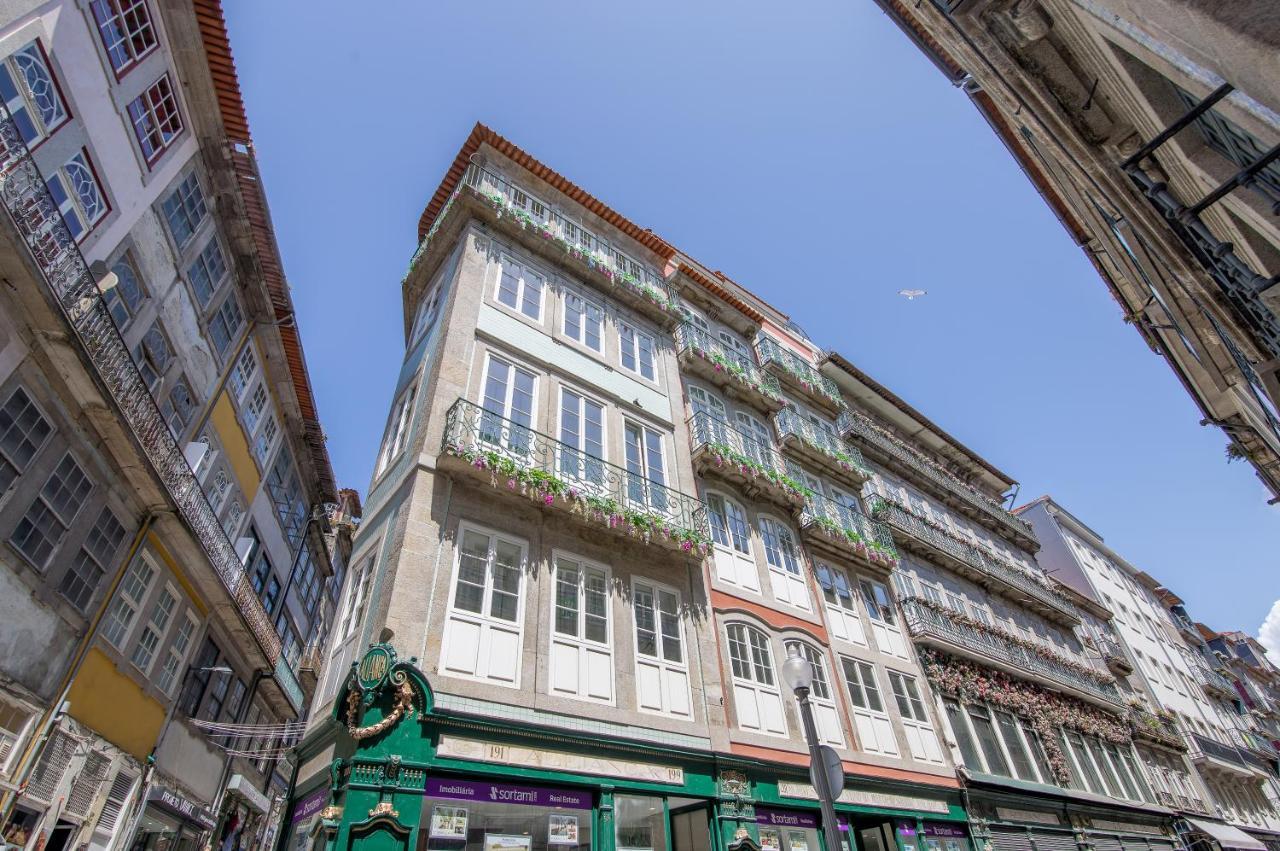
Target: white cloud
1269, 632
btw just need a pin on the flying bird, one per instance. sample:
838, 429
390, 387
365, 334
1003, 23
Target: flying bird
911, 294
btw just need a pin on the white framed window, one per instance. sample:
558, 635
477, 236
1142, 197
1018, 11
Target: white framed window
638, 352
884, 619
737, 349
184, 210
785, 567
32, 94
904, 584
265, 440
144, 652
756, 697
582, 431
224, 324
179, 406
508, 400
583, 321
217, 488
244, 374
41, 529
870, 720
709, 418
731, 543
156, 121
662, 670
483, 628
921, 739
126, 31
398, 432
357, 598
152, 355
232, 519
428, 311
176, 655
825, 715
646, 479
207, 271
118, 621
758, 439
520, 287
931, 592
841, 604
23, 432
581, 631
78, 195
80, 582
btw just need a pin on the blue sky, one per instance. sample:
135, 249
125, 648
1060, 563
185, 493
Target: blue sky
812, 154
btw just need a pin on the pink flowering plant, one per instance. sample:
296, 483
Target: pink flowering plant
1046, 711
547, 489
595, 260
736, 372
724, 455
873, 551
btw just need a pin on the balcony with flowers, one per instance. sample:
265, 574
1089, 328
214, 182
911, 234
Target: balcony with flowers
936, 625
923, 471
1213, 682
526, 465
735, 373
799, 376
845, 532
1159, 728
1115, 657
548, 233
821, 449
925, 536
745, 461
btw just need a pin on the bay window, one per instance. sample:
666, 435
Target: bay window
581, 640
483, 630
756, 698
662, 672
825, 716
783, 558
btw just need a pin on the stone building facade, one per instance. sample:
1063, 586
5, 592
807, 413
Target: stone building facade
166, 558
1150, 128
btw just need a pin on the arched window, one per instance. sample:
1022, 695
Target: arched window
842, 606
709, 419
731, 535
825, 716
756, 697
783, 556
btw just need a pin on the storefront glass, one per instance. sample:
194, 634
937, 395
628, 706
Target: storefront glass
470, 815
937, 836
787, 830
642, 825
163, 832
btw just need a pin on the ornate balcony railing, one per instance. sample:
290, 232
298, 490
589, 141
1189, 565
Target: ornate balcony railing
733, 365
849, 529
834, 453
517, 458
1114, 656
925, 621
1154, 728
797, 372
746, 456
979, 560
852, 422
578, 242
1184, 623
1203, 746
36, 216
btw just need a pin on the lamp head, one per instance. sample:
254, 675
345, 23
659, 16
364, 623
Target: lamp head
797, 672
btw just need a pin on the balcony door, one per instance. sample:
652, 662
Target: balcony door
582, 433
757, 440
884, 619
731, 542
646, 479
507, 421
709, 420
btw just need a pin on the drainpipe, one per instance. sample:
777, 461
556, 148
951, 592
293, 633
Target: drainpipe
51, 715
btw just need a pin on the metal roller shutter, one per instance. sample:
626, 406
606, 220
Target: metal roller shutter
1007, 838
1107, 842
1054, 840
1157, 844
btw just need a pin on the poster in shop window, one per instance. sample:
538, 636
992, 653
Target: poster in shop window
562, 829
448, 822
769, 840
506, 842
797, 840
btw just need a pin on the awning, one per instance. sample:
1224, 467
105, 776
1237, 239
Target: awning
1228, 836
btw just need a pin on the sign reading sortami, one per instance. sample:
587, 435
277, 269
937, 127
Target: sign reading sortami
305, 808
502, 793
932, 828
786, 818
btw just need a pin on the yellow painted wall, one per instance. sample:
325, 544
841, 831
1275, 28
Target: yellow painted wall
179, 575
115, 706
237, 448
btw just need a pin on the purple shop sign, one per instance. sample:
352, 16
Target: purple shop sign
305, 808
502, 793
933, 828
787, 818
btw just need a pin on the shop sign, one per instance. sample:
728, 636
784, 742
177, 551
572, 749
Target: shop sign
502, 793
239, 785
937, 829
374, 666
865, 798
1125, 826
787, 818
547, 760
1011, 814
180, 806
305, 808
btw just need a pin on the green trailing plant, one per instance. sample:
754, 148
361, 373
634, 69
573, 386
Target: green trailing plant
725, 455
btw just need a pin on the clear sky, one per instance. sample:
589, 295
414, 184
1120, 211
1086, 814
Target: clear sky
808, 151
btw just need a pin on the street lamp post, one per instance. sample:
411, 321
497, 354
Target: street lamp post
797, 673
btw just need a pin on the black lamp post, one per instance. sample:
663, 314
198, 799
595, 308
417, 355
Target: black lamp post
797, 673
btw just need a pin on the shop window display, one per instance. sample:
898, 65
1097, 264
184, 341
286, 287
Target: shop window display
470, 815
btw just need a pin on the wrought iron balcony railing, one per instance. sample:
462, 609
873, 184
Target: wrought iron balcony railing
36, 216
1155, 728
733, 365
849, 529
834, 454
798, 373
926, 622
520, 459
748, 456
1184, 623
1203, 746
1114, 656
854, 423
581, 243
976, 559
